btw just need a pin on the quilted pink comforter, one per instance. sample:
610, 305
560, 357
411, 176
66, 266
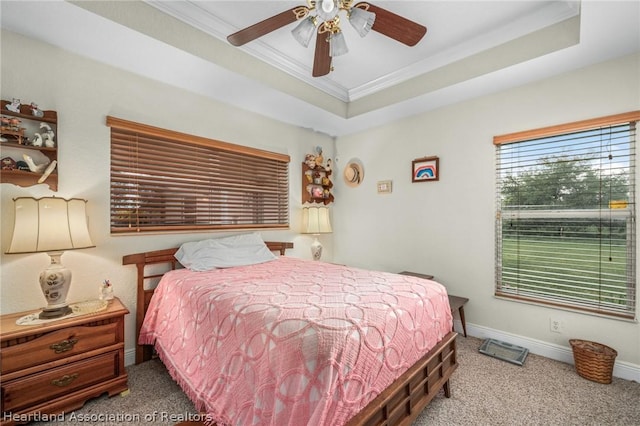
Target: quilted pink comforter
291, 341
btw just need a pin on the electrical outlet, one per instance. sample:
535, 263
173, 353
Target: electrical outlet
555, 325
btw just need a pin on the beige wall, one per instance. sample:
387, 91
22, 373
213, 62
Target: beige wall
84, 92
446, 228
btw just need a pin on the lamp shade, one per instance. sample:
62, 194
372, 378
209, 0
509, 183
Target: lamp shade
49, 224
305, 30
315, 220
337, 44
361, 20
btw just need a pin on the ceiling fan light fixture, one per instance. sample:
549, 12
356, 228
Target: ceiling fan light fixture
361, 20
327, 9
337, 44
322, 15
304, 31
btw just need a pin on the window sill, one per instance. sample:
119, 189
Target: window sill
565, 308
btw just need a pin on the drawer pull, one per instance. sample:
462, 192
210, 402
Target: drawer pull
65, 380
65, 345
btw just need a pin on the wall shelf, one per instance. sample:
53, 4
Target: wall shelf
17, 140
316, 185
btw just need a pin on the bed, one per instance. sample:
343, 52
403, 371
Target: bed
234, 373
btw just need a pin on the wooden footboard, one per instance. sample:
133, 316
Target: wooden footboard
399, 404
405, 398
403, 401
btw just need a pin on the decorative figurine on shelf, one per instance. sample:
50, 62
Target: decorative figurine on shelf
35, 110
317, 191
310, 161
327, 167
8, 163
14, 106
106, 291
48, 135
14, 123
22, 165
48, 171
48, 141
319, 158
37, 140
39, 168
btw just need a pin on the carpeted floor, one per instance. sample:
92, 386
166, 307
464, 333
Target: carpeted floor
486, 391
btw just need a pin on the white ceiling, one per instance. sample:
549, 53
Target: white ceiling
471, 48
454, 29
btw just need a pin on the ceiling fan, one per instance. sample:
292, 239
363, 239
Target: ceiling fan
322, 17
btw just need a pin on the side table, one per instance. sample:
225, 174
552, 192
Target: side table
455, 302
56, 366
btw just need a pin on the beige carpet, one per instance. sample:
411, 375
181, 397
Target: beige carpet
486, 391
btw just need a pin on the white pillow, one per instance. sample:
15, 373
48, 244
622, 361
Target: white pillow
224, 252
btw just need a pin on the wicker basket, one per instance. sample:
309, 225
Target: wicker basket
594, 361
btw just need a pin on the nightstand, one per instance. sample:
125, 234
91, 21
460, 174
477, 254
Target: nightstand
455, 302
416, 274
57, 366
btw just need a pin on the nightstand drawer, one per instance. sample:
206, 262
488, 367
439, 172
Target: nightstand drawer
57, 345
59, 381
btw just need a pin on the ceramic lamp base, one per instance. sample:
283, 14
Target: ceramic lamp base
55, 313
316, 249
55, 282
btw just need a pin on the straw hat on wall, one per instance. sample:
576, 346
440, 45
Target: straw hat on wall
353, 173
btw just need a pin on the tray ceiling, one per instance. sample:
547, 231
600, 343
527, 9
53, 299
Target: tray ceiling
471, 48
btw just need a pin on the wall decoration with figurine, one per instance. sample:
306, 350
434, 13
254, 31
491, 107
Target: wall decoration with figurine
29, 144
316, 178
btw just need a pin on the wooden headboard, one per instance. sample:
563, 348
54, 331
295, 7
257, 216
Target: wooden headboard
163, 257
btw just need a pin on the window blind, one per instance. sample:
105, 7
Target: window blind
565, 223
168, 181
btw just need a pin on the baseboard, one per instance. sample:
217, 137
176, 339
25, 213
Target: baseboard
621, 369
129, 357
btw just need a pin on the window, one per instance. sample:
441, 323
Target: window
565, 223
169, 181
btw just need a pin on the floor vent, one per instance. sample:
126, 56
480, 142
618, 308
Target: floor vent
504, 351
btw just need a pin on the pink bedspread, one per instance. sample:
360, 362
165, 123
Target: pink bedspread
291, 341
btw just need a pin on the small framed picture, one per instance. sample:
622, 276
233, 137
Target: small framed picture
425, 169
384, 187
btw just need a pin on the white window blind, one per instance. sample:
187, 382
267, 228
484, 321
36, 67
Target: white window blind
565, 223
168, 181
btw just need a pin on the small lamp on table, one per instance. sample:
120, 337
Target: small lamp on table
315, 221
51, 225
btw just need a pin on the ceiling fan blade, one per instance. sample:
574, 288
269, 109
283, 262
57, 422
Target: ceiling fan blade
322, 58
395, 26
264, 27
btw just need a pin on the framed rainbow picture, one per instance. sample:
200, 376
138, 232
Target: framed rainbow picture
426, 169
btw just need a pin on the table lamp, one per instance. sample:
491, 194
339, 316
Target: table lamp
51, 225
315, 221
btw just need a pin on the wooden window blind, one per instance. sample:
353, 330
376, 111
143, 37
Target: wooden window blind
565, 223
163, 180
